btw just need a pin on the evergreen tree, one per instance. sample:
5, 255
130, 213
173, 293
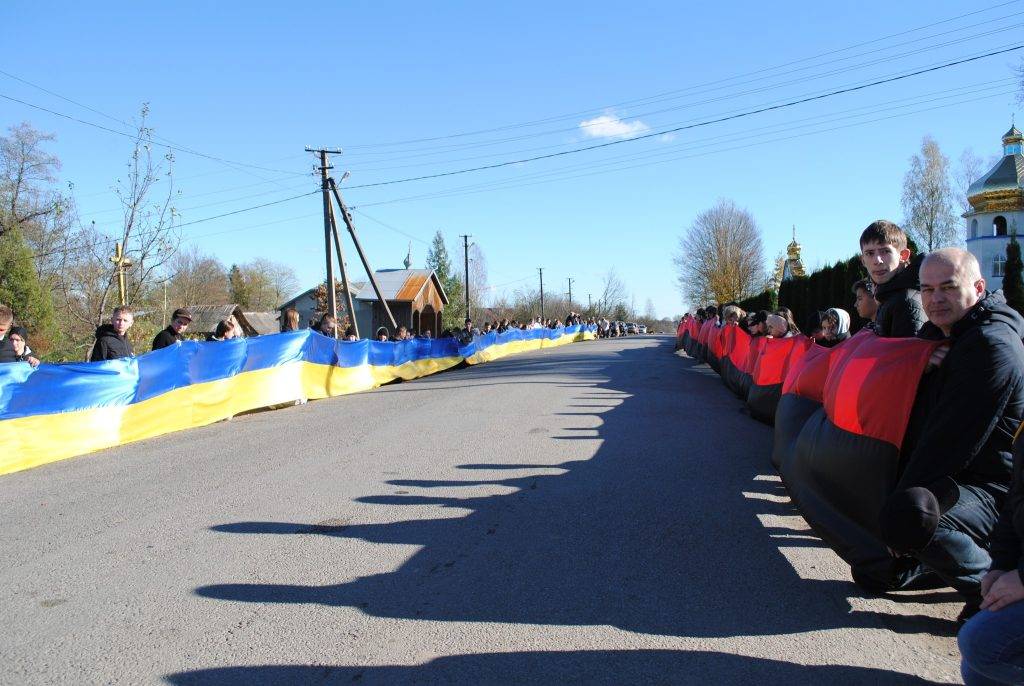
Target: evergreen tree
238, 289
441, 263
1013, 276
21, 290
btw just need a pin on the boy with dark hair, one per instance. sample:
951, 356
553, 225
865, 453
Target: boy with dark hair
865, 303
886, 257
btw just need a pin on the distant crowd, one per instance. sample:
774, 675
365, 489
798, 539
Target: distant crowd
957, 511
112, 338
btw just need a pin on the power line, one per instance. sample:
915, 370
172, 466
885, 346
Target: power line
432, 151
559, 175
84, 246
175, 148
665, 93
526, 150
749, 113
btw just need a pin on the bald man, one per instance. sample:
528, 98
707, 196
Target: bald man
956, 461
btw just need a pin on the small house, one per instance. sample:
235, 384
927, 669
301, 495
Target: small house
415, 296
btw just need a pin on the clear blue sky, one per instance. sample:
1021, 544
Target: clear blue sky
255, 82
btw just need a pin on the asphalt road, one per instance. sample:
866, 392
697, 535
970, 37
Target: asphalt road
598, 513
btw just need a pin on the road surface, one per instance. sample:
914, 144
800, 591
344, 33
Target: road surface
603, 512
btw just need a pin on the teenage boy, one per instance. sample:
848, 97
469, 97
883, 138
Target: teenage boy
886, 257
112, 339
176, 331
7, 352
865, 303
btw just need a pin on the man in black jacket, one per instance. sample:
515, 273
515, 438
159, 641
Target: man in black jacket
112, 339
173, 333
886, 257
957, 459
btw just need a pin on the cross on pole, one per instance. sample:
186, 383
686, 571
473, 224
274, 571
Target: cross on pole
121, 262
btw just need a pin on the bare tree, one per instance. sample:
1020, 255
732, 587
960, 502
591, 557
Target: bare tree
613, 293
29, 200
970, 170
263, 284
196, 279
928, 199
720, 257
478, 291
86, 282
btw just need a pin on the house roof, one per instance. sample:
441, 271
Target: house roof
403, 285
206, 317
264, 322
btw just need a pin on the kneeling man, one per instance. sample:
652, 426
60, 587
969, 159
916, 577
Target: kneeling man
956, 465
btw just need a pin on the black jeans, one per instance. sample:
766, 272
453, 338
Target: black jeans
958, 553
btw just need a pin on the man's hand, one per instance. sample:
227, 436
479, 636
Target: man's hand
32, 361
989, 579
1006, 590
935, 361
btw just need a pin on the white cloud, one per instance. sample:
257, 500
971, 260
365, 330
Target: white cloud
667, 137
610, 126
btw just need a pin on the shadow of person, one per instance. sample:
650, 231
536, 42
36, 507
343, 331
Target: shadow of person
569, 667
652, 534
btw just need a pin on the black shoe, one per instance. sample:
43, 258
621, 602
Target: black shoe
971, 608
869, 584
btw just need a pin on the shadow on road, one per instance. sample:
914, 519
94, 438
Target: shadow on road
674, 526
598, 666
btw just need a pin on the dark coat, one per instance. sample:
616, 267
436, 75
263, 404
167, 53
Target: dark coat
1008, 536
969, 409
165, 338
900, 313
7, 351
109, 346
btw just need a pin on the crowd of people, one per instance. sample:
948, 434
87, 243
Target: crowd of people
956, 513
112, 341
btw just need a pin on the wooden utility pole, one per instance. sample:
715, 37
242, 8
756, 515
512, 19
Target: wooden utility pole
121, 262
347, 218
570, 292
332, 298
344, 273
590, 305
465, 255
540, 270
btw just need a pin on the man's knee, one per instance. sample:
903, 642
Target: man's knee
909, 519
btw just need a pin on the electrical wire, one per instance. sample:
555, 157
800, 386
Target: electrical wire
677, 129
686, 89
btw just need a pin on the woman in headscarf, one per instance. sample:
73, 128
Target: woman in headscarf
835, 326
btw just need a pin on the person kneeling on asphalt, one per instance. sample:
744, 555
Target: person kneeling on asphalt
957, 456
992, 642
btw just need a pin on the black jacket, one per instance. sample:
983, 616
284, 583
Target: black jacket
1008, 537
165, 338
109, 346
900, 313
7, 351
969, 409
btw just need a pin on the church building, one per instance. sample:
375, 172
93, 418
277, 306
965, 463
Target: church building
997, 210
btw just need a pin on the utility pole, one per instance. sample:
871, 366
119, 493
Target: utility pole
465, 254
570, 292
120, 263
540, 270
344, 274
332, 298
590, 305
347, 217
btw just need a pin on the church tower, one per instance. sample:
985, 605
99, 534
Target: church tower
997, 209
